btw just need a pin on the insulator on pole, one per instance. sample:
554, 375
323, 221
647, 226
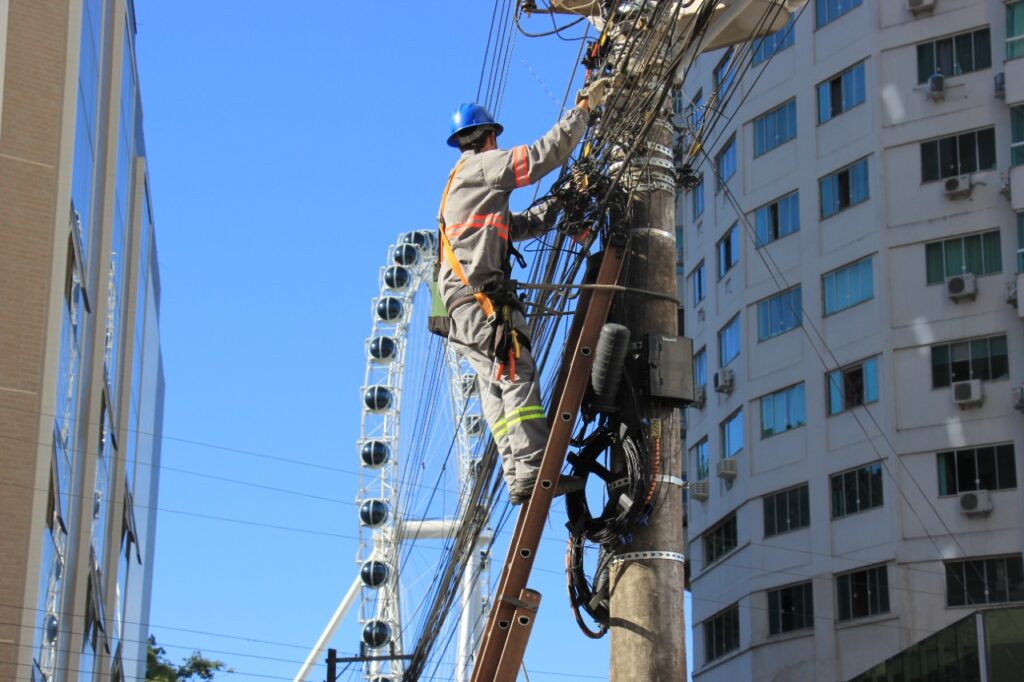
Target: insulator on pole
606, 373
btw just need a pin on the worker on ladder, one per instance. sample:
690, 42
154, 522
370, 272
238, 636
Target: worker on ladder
486, 316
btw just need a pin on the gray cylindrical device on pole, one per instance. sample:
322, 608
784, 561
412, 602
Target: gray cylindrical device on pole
605, 375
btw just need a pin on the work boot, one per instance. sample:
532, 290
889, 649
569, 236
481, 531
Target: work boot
520, 491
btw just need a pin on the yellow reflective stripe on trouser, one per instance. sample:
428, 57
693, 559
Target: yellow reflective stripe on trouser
521, 414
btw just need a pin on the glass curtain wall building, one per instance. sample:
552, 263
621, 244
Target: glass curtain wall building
81, 374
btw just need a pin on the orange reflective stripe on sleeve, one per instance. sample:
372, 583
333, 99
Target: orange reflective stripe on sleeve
479, 221
521, 165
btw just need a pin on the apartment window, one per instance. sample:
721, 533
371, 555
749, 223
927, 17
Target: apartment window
697, 200
954, 55
774, 128
725, 74
1020, 242
698, 283
700, 368
729, 341
827, 11
722, 633
725, 163
1014, 30
779, 314
863, 593
1017, 135
980, 254
787, 510
985, 581
841, 93
852, 386
782, 411
765, 48
984, 358
699, 454
777, 219
720, 540
696, 111
958, 154
991, 467
790, 609
728, 248
847, 286
732, 434
856, 490
845, 188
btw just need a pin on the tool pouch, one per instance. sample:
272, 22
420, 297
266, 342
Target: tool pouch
439, 322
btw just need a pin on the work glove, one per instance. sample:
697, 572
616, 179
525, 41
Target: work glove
595, 93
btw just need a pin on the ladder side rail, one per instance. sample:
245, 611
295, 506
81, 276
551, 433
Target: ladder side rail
530, 525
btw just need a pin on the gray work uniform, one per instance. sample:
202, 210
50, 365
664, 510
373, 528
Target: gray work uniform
479, 225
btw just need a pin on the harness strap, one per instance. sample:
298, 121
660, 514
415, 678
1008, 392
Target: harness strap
449, 254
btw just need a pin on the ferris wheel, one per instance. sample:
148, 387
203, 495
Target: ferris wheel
413, 476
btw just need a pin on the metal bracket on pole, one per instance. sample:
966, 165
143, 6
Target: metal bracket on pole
650, 554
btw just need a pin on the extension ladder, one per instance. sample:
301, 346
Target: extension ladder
515, 605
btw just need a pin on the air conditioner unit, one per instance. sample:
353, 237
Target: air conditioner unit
698, 490
967, 393
724, 380
937, 86
958, 186
699, 397
727, 468
1018, 397
962, 287
1000, 81
919, 7
975, 503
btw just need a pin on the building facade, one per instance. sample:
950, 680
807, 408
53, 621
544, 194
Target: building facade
849, 267
81, 376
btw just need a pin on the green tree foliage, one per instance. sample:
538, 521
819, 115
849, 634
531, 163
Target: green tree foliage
192, 669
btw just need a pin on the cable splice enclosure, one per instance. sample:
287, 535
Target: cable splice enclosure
609, 358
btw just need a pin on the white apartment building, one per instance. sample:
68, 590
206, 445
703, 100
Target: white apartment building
848, 270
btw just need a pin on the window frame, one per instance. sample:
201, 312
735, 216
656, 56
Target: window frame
723, 80
729, 620
732, 245
728, 151
840, 207
954, 144
954, 54
762, 122
699, 276
802, 492
868, 572
844, 107
969, 342
1014, 41
818, 23
722, 361
988, 581
847, 267
776, 614
791, 298
697, 363
697, 200
982, 248
865, 398
792, 421
870, 469
727, 451
949, 485
766, 210
721, 539
701, 451
772, 40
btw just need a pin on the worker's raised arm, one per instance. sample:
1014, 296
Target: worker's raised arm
509, 169
534, 221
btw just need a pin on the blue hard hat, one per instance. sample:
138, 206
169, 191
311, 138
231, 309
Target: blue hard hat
471, 116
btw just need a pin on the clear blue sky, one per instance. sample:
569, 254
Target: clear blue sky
288, 145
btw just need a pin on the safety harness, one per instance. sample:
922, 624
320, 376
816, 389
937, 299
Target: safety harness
497, 299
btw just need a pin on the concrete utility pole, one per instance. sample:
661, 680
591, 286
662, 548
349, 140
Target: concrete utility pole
646, 578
